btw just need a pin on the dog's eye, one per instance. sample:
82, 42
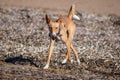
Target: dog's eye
50, 28
49, 24
56, 28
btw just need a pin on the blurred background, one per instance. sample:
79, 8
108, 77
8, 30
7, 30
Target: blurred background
92, 6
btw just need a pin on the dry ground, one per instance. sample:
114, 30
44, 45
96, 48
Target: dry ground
24, 42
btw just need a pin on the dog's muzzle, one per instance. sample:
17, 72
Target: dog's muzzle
54, 37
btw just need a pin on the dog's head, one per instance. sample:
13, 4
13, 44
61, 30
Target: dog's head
54, 27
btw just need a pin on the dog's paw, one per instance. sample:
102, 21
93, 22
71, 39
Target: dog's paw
71, 60
64, 61
78, 62
46, 66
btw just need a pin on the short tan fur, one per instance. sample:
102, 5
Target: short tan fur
62, 29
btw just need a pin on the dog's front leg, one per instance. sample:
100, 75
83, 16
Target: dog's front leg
49, 54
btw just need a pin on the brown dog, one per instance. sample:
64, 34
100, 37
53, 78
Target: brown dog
63, 29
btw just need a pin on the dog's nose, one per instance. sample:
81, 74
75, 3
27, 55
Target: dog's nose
54, 34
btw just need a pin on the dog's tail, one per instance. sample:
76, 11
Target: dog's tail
72, 14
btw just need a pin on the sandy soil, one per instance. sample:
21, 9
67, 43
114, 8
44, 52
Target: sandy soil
90, 6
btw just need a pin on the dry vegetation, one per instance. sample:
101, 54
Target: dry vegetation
24, 45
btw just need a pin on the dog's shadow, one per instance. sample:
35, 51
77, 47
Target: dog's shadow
20, 60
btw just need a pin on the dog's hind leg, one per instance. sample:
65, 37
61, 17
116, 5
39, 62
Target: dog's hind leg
76, 54
68, 56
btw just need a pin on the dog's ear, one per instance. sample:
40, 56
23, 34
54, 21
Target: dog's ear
60, 19
47, 19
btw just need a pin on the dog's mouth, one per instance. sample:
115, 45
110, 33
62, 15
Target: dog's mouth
53, 37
